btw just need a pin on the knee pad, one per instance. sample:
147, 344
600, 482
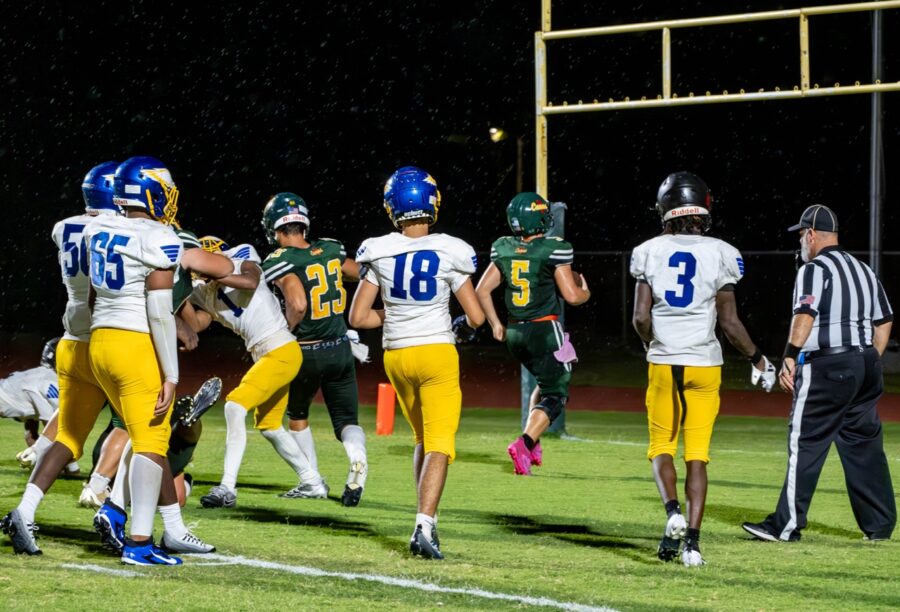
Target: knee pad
551, 405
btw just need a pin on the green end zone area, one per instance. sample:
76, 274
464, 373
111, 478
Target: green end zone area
582, 532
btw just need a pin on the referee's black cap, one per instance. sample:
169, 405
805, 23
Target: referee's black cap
818, 217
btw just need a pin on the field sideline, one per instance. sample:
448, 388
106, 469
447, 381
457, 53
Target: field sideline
582, 533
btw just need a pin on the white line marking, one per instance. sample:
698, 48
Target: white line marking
408, 584
101, 570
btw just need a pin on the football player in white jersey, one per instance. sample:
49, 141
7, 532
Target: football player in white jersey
685, 283
246, 306
80, 396
415, 272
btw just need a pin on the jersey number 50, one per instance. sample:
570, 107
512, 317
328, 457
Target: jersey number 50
107, 267
684, 279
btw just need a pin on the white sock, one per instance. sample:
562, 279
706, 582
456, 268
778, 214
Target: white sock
428, 523
304, 440
98, 483
121, 492
73, 468
187, 488
31, 498
172, 521
40, 447
286, 447
235, 442
145, 478
354, 439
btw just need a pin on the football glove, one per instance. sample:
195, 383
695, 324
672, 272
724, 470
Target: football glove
360, 351
462, 331
764, 378
27, 458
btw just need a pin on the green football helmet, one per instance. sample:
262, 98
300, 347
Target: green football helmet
284, 208
529, 214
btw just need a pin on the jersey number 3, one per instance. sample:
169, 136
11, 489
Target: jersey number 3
107, 266
683, 298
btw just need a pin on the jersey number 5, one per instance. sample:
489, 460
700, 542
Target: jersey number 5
684, 279
317, 272
107, 266
522, 295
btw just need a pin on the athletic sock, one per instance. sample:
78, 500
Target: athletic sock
287, 448
672, 507
354, 439
31, 499
304, 440
98, 483
692, 539
41, 445
172, 521
427, 523
235, 442
529, 443
145, 478
121, 492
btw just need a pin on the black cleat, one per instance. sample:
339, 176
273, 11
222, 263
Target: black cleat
668, 549
423, 547
21, 533
203, 400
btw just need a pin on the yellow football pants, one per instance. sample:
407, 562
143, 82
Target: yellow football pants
666, 415
426, 379
264, 388
125, 365
80, 397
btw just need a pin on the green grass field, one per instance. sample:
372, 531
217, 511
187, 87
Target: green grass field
583, 531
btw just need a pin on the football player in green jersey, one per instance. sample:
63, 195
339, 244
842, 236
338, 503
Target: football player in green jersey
310, 273
535, 269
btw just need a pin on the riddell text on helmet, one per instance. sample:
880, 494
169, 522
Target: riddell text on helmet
690, 210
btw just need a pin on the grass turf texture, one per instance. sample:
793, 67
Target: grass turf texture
583, 530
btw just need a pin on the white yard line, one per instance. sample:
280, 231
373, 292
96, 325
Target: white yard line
101, 569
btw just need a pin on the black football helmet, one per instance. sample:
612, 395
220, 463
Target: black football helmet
48, 356
683, 194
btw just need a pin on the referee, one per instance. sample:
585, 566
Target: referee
841, 325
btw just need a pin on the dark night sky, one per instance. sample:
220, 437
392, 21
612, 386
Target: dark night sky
327, 99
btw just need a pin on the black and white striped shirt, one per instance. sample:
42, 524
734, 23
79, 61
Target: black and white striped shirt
845, 298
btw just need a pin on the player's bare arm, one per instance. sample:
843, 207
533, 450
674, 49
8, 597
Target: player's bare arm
640, 318
163, 323
573, 290
210, 265
726, 310
350, 270
295, 303
186, 335
247, 279
801, 326
490, 280
880, 336
466, 297
362, 315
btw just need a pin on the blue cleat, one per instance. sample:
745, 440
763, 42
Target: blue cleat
146, 553
109, 522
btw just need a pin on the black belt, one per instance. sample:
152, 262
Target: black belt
323, 344
832, 350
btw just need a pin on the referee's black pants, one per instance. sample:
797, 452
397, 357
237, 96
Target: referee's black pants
835, 400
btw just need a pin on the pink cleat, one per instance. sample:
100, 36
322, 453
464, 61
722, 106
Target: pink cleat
536, 455
520, 456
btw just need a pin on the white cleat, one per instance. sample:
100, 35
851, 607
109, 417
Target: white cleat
89, 499
691, 557
316, 490
676, 527
27, 458
186, 544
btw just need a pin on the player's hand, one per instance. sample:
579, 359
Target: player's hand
463, 332
27, 458
499, 333
763, 373
165, 398
786, 375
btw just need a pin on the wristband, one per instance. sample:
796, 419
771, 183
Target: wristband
754, 359
791, 351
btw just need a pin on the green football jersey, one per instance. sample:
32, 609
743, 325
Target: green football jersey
182, 287
319, 269
528, 268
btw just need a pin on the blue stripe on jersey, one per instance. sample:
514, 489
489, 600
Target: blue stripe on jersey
243, 253
52, 392
171, 251
740, 263
475, 261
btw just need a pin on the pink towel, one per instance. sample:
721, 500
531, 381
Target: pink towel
566, 353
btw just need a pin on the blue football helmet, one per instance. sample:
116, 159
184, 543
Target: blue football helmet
146, 183
97, 187
411, 193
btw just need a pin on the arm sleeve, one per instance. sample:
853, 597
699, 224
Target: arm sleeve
162, 330
731, 267
808, 289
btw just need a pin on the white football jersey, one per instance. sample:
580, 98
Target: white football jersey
685, 272
29, 394
74, 264
255, 315
124, 251
416, 277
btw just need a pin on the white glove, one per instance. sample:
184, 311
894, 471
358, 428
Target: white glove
359, 350
766, 378
27, 458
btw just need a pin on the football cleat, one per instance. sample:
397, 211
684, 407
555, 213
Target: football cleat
188, 544
676, 526
318, 490
203, 400
109, 522
521, 457
761, 532
146, 553
691, 557
356, 480
89, 499
668, 549
425, 547
537, 455
71, 470
21, 533
219, 496
27, 458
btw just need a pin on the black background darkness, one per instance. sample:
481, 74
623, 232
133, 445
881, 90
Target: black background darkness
328, 99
